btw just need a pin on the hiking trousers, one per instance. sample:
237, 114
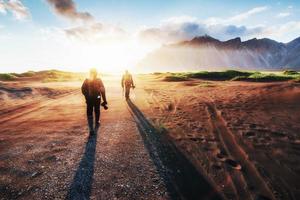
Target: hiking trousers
127, 91
93, 107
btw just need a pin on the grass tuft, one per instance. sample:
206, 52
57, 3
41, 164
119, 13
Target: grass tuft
7, 77
259, 77
234, 75
44, 76
290, 72
176, 77
223, 75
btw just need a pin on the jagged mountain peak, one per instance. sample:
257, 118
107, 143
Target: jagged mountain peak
254, 43
205, 39
206, 52
294, 43
235, 42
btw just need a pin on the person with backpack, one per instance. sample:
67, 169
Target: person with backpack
93, 89
127, 82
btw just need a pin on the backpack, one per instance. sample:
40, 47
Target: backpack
127, 79
91, 88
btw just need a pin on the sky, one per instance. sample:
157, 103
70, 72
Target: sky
75, 35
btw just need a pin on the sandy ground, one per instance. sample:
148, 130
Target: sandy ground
241, 139
46, 153
244, 136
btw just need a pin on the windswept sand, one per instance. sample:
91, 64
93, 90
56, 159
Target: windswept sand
243, 138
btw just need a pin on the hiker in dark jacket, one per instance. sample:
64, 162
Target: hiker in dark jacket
127, 82
93, 89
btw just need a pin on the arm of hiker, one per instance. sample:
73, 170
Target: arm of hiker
84, 88
102, 91
132, 83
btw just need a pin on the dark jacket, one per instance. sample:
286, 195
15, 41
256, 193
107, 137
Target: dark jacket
92, 89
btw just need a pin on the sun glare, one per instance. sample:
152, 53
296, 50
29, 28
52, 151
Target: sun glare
113, 57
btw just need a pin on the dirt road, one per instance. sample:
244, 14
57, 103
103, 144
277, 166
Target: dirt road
46, 153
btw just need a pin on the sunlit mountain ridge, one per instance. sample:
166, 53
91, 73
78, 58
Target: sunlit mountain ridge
208, 53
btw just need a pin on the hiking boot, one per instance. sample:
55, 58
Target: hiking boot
97, 125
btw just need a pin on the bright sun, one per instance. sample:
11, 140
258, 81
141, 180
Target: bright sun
112, 57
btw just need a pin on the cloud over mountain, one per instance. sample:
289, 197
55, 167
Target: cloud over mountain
176, 29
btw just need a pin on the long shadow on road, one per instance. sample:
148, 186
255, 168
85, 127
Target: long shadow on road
83, 179
182, 179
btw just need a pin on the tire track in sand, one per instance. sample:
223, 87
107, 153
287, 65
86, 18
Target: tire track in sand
248, 177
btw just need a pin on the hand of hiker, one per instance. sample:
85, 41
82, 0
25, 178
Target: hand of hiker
104, 104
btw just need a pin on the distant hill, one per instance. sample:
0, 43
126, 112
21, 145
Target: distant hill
46, 75
205, 52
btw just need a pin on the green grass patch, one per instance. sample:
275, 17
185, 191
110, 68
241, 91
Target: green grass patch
59, 76
176, 77
261, 77
157, 73
25, 74
297, 79
223, 75
234, 75
44, 76
7, 77
290, 72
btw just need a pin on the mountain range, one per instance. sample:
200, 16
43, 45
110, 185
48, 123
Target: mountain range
208, 53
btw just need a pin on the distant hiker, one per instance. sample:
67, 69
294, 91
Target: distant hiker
127, 82
93, 89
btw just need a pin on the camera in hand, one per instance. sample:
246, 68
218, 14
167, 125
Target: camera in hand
104, 104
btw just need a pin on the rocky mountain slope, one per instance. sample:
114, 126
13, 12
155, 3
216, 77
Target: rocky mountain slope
205, 52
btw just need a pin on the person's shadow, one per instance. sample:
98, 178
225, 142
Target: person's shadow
181, 177
83, 179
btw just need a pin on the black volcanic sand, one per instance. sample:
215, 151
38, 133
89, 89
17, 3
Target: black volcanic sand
243, 136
